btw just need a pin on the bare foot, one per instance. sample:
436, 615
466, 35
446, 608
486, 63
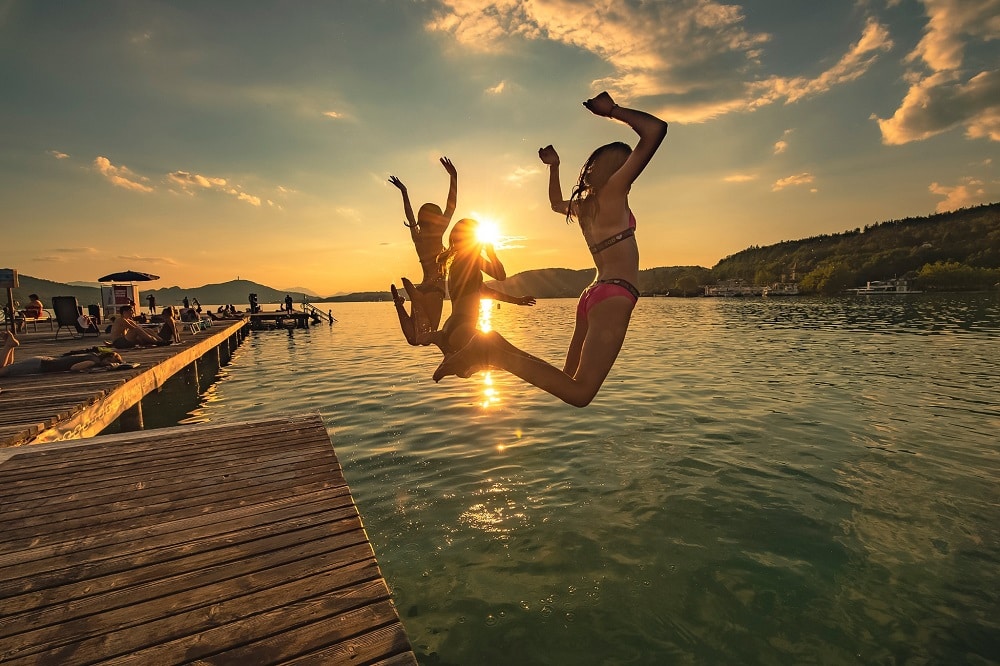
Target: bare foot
410, 289
464, 363
396, 298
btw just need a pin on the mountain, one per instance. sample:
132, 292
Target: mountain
298, 292
236, 292
46, 289
568, 283
947, 251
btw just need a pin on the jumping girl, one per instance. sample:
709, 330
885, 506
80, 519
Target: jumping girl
599, 203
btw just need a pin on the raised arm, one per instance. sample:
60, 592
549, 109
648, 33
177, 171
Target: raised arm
651, 131
491, 264
449, 208
411, 221
549, 156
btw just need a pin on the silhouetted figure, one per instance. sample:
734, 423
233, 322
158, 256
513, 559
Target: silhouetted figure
599, 203
426, 231
464, 262
288, 303
151, 300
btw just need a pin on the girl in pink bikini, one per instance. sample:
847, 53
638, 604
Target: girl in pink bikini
599, 202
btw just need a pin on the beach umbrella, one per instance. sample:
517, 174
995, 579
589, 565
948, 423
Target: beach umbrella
128, 276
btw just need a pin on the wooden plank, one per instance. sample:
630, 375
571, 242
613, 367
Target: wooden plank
57, 406
242, 545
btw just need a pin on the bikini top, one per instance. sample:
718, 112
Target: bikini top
617, 238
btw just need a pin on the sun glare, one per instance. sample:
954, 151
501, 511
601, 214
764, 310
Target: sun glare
488, 231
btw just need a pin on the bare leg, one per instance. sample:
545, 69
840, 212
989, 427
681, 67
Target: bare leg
9, 344
141, 336
405, 321
606, 329
421, 304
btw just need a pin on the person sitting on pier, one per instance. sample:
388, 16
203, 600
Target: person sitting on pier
34, 309
127, 333
40, 364
426, 231
169, 330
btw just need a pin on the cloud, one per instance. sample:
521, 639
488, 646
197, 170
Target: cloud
56, 154
970, 192
851, 66
694, 59
740, 178
63, 254
781, 145
186, 180
121, 176
243, 196
191, 182
522, 174
333, 114
942, 94
790, 181
147, 260
497, 89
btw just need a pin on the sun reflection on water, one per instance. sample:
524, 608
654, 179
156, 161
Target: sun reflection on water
490, 395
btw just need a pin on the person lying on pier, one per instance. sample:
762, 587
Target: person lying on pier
426, 231
464, 262
127, 333
40, 364
599, 203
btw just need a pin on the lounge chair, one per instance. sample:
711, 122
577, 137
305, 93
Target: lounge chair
68, 316
34, 320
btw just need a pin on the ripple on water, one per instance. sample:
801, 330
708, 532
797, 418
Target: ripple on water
780, 481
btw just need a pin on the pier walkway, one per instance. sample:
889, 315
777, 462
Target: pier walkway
67, 405
214, 543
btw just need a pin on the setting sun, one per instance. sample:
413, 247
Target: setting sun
488, 231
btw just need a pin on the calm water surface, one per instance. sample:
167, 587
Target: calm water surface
759, 481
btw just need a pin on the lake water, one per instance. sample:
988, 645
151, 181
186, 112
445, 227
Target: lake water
759, 481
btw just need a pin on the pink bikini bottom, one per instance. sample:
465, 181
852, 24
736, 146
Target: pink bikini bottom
603, 289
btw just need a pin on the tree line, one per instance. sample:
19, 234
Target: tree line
952, 251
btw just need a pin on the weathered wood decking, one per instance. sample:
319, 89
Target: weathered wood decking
66, 405
235, 543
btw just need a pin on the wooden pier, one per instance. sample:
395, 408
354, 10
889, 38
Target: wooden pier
215, 543
281, 319
69, 405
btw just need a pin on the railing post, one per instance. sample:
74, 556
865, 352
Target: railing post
131, 418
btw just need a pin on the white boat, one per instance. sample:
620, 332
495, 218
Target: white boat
876, 287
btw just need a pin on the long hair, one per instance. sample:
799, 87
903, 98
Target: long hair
426, 215
593, 176
108, 357
457, 239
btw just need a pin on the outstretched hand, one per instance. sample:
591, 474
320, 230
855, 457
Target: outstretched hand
449, 167
602, 105
548, 155
526, 300
398, 183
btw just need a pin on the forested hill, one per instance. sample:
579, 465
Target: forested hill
568, 283
957, 250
